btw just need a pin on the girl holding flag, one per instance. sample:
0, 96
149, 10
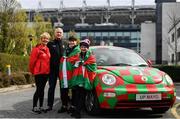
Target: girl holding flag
66, 69
82, 77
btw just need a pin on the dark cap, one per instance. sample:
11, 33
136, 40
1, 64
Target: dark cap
72, 38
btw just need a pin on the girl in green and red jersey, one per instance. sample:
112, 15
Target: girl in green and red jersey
82, 77
66, 69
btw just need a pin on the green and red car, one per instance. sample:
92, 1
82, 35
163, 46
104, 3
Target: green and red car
125, 80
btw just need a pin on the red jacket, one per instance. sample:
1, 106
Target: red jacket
39, 60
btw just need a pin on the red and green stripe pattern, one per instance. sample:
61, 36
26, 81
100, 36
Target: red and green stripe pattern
89, 64
70, 60
129, 82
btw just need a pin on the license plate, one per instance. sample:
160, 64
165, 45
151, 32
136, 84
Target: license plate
148, 97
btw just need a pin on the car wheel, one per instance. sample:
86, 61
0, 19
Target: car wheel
160, 110
91, 103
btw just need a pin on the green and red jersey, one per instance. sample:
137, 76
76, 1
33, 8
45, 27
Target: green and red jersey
66, 67
84, 74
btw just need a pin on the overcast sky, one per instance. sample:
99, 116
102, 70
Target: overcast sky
78, 3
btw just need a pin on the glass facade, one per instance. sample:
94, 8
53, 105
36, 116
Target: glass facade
128, 38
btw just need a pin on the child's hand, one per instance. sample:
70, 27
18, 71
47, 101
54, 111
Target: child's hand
77, 64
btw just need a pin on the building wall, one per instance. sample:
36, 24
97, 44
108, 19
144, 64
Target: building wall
171, 51
148, 41
159, 39
169, 10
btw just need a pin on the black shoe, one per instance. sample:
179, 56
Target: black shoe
43, 110
71, 109
76, 115
62, 109
48, 109
36, 110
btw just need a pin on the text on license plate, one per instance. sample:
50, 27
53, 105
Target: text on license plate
148, 96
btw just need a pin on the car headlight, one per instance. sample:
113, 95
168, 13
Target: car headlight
108, 79
168, 79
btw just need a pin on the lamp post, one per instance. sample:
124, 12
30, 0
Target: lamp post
30, 39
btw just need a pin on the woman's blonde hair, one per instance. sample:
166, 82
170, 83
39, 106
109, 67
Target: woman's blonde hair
45, 35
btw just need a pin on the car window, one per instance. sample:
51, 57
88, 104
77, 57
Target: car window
117, 57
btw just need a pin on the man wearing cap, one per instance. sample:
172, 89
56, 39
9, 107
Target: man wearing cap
66, 69
83, 76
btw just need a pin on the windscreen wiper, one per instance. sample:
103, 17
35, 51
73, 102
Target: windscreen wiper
141, 65
120, 64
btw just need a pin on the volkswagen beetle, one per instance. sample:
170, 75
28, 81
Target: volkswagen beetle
125, 80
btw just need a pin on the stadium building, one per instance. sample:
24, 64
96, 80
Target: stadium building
137, 27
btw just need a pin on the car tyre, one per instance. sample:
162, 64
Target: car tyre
91, 103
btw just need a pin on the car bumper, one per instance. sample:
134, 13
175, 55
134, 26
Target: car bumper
123, 97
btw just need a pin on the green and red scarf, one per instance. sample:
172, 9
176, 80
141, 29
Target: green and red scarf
84, 74
66, 67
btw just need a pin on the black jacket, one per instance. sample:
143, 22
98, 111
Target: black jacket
56, 48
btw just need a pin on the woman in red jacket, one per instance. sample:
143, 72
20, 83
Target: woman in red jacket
39, 67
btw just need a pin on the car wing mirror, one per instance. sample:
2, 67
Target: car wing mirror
149, 63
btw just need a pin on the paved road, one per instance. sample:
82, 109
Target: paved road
18, 104
177, 92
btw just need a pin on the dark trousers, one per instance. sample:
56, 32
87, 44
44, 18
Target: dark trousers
52, 85
78, 97
64, 96
40, 82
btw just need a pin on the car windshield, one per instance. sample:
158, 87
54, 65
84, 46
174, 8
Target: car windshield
117, 57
